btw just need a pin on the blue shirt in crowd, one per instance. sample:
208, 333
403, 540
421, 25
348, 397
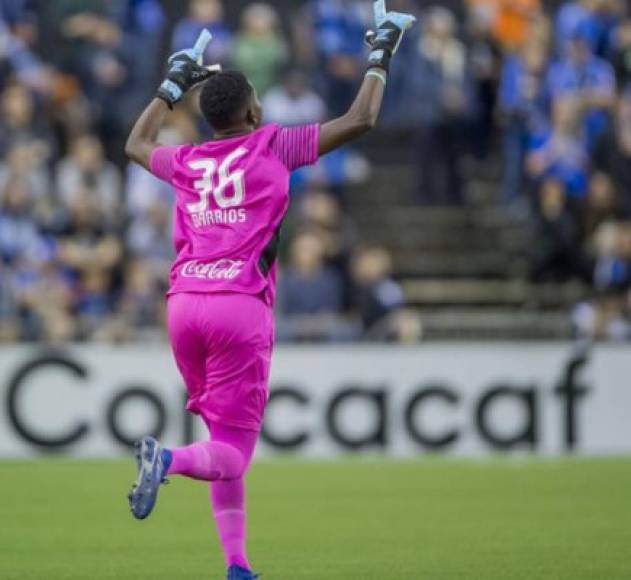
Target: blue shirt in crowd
596, 74
514, 100
318, 294
572, 18
339, 27
567, 161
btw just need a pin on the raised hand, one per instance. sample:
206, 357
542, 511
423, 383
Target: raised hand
186, 70
391, 27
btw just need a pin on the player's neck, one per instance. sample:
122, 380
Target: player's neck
234, 132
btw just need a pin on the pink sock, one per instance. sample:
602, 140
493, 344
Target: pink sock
228, 497
228, 501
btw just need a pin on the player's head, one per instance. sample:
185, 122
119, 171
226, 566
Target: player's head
229, 101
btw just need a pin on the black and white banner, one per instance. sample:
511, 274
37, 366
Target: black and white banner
461, 399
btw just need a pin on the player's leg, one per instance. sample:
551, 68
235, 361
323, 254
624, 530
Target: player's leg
223, 461
233, 335
215, 460
225, 458
233, 409
228, 497
190, 354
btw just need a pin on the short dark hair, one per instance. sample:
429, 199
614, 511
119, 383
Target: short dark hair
224, 98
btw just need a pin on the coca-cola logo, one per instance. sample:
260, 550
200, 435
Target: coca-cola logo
219, 270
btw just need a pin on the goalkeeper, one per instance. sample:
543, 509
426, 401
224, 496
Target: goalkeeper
231, 195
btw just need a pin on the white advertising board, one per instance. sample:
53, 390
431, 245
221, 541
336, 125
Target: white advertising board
468, 400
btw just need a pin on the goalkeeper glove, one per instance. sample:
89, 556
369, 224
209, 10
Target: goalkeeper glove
186, 71
384, 43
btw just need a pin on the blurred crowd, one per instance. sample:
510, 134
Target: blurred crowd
564, 106
85, 238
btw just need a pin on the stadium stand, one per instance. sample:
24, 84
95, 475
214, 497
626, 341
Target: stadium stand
492, 202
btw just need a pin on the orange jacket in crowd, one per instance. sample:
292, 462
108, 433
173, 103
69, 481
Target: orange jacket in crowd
511, 19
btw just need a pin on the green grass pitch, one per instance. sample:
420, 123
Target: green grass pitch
427, 520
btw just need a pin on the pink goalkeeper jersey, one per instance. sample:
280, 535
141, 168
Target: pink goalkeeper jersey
231, 197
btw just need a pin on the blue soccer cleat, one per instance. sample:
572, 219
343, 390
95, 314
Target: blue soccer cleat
237, 573
153, 463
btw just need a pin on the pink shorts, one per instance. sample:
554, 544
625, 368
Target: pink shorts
223, 347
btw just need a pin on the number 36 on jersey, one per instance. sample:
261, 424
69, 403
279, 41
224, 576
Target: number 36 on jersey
226, 188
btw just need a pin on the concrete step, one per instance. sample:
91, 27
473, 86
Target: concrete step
515, 293
460, 264
423, 240
400, 216
494, 324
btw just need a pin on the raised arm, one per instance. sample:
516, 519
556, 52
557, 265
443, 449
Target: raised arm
360, 118
144, 136
185, 71
364, 112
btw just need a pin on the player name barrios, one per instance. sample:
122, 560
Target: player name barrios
219, 217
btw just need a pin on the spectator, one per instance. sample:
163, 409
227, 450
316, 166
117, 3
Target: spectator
204, 14
310, 287
321, 211
562, 154
149, 239
484, 64
336, 171
612, 272
603, 204
81, 31
339, 27
613, 152
311, 296
51, 319
94, 304
9, 323
87, 241
260, 50
20, 123
605, 318
510, 20
86, 168
21, 17
442, 91
25, 161
140, 309
17, 58
621, 54
557, 252
574, 15
608, 315
377, 296
399, 105
99, 43
91, 30
522, 103
19, 234
597, 18
142, 302
142, 24
293, 102
590, 79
